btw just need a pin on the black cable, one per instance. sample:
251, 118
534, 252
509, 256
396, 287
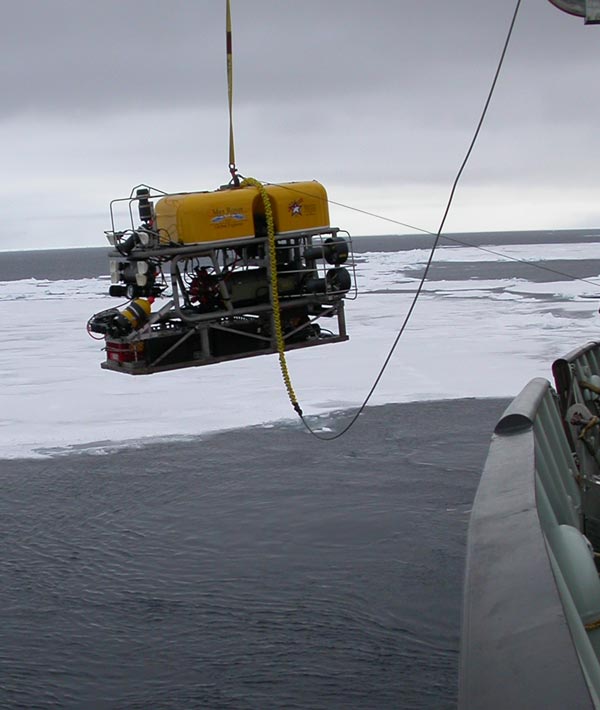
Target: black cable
433, 248
378, 216
454, 240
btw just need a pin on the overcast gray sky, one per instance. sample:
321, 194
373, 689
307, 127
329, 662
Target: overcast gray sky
377, 99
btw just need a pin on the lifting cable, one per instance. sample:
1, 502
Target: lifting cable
433, 248
229, 47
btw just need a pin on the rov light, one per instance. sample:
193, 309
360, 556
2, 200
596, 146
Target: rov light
145, 207
115, 272
334, 250
336, 280
144, 237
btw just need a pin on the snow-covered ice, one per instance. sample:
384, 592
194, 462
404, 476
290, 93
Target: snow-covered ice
469, 338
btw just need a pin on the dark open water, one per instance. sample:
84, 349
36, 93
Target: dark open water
85, 263
258, 568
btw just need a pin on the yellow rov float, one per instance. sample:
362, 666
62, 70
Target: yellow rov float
244, 269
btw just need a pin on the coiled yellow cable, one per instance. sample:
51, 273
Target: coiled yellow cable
275, 291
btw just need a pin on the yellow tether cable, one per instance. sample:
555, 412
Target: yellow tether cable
275, 290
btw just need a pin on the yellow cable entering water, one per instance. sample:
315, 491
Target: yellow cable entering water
275, 291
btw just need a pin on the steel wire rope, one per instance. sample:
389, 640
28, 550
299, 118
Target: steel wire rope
463, 243
445, 237
487, 250
417, 294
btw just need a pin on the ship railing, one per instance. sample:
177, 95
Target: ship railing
573, 371
532, 592
577, 380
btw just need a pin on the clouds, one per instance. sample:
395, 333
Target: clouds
377, 99
67, 57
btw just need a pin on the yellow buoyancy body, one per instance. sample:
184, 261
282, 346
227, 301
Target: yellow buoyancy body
238, 212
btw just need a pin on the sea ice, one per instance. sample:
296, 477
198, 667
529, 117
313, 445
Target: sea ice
466, 339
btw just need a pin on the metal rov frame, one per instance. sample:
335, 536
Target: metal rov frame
237, 317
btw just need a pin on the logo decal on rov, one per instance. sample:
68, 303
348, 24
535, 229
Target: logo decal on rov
295, 208
226, 216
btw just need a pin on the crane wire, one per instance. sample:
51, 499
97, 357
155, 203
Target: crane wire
229, 51
438, 235
444, 237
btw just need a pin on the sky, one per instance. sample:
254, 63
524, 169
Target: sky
378, 100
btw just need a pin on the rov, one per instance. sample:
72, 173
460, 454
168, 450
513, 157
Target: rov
223, 276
